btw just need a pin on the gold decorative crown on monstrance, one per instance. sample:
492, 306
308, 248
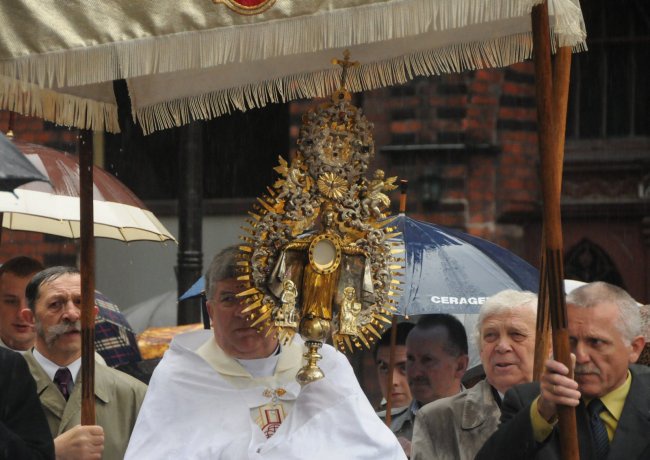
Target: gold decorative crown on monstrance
317, 256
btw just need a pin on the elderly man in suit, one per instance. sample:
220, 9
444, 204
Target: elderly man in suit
456, 427
54, 298
611, 394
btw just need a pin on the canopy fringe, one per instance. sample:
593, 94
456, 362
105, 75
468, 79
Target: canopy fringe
60, 108
499, 52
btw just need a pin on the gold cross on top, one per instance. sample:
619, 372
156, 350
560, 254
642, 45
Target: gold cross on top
345, 65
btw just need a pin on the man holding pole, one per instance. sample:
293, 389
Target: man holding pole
611, 394
54, 298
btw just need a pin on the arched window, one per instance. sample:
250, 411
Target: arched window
588, 262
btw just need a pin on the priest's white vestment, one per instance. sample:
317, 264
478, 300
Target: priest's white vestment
193, 412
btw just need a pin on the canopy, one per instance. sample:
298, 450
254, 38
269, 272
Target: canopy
58, 59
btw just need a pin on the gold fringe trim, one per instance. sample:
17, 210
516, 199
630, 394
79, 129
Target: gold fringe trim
499, 52
60, 108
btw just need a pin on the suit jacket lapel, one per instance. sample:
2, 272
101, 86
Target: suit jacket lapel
50, 396
631, 436
477, 407
72, 413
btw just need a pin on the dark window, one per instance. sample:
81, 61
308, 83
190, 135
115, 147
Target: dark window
609, 94
240, 151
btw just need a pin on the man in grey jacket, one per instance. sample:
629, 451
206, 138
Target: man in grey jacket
54, 298
456, 427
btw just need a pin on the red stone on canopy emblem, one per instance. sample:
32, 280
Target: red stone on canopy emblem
247, 6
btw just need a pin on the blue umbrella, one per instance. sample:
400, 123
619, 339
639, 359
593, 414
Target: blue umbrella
197, 289
448, 271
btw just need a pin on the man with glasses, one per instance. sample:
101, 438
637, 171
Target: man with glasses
231, 393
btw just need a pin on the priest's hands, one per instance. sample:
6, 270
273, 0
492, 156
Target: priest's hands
81, 442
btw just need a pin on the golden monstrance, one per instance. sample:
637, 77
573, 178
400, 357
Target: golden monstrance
317, 258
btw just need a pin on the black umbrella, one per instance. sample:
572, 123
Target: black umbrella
15, 168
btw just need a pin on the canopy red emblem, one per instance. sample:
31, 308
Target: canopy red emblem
247, 6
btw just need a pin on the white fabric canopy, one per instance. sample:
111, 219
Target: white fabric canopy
192, 59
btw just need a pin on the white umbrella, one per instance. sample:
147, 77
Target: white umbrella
53, 207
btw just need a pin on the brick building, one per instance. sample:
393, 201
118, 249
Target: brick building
50, 250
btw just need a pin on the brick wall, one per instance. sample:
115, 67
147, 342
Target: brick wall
48, 249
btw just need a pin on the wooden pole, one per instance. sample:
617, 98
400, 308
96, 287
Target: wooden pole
543, 326
551, 168
393, 327
87, 269
561, 78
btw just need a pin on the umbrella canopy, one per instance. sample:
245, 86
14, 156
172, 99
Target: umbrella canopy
54, 208
158, 311
197, 289
15, 169
114, 338
448, 271
58, 59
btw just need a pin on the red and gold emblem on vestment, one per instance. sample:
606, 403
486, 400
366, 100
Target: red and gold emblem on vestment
247, 6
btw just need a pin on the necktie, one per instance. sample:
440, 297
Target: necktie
598, 430
63, 379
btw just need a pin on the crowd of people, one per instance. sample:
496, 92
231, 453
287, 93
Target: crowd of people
230, 392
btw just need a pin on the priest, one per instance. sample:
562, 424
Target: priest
232, 394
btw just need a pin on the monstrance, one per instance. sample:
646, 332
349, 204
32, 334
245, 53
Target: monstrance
318, 259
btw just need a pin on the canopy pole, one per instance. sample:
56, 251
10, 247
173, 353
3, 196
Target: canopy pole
550, 147
403, 185
543, 325
561, 78
87, 269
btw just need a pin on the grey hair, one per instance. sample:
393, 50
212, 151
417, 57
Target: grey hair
504, 302
629, 317
222, 267
645, 321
